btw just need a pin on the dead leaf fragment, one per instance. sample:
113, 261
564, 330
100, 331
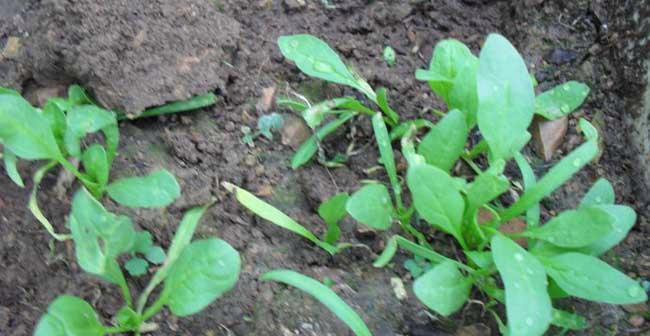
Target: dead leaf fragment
548, 135
266, 101
294, 131
515, 225
12, 48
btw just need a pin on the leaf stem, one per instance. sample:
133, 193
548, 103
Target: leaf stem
153, 309
478, 149
33, 202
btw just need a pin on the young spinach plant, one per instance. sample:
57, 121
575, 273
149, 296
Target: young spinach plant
55, 133
495, 93
193, 275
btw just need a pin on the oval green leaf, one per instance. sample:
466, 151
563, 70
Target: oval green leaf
205, 270
445, 142
590, 278
25, 131
371, 205
443, 289
156, 190
506, 98
324, 295
561, 100
83, 120
69, 316
528, 305
96, 164
436, 198
574, 228
601, 192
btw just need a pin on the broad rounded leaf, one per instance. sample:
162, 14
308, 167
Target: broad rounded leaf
528, 305
442, 288
506, 98
332, 211
99, 236
83, 120
136, 266
155, 255
622, 220
445, 142
156, 190
371, 205
436, 197
574, 228
449, 57
25, 131
464, 95
205, 270
69, 316
561, 100
592, 279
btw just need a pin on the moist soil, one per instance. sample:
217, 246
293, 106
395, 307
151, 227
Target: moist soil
559, 40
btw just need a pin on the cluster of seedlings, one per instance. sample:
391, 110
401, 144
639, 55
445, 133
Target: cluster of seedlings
493, 93
526, 271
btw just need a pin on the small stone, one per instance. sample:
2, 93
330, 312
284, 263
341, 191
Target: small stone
294, 131
548, 135
636, 321
266, 101
12, 48
294, 4
398, 288
250, 160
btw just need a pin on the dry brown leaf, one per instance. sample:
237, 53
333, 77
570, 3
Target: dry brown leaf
548, 135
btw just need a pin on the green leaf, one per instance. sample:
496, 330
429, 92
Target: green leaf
96, 164
54, 112
568, 320
401, 129
574, 228
205, 270
24, 131
310, 147
155, 255
156, 190
382, 102
315, 114
127, 317
445, 142
534, 212
142, 242
389, 56
480, 259
555, 177
181, 239
601, 192
592, 279
7, 91
275, 216
386, 154
506, 98
83, 120
323, 294
387, 254
69, 316
371, 206
487, 186
332, 211
316, 59
443, 289
193, 103
463, 95
561, 100
436, 198
528, 305
449, 57
78, 96
136, 266
268, 123
622, 220
99, 236
10, 160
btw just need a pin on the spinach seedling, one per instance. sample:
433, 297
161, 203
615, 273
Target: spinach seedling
193, 275
558, 258
389, 56
55, 133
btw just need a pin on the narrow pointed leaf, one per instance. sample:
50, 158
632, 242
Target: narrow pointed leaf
601, 192
307, 150
96, 164
568, 320
10, 160
324, 295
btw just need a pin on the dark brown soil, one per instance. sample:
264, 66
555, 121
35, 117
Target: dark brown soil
204, 149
